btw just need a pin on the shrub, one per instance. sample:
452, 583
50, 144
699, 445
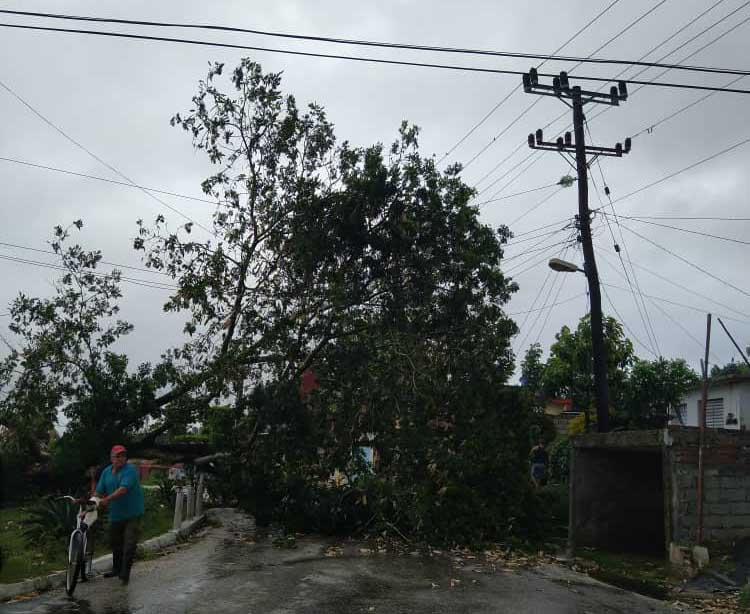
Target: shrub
50, 521
559, 456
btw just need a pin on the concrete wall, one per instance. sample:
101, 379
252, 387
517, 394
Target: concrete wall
726, 502
638, 490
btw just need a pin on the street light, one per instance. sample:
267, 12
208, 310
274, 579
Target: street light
563, 266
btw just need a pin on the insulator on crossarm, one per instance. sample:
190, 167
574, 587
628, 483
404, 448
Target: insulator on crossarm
556, 85
618, 149
539, 136
622, 88
531, 140
564, 82
526, 83
534, 76
560, 143
613, 95
628, 144
568, 138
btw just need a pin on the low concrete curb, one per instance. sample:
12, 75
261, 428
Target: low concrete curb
101, 564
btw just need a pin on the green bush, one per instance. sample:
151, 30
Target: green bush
559, 457
50, 522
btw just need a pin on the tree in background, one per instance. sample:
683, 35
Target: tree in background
731, 368
568, 372
654, 388
66, 363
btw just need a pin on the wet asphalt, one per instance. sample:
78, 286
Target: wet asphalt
231, 570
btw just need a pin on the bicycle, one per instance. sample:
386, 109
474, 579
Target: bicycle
80, 547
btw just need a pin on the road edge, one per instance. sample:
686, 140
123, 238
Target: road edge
100, 564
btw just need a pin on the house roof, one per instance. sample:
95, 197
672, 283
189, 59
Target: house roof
724, 380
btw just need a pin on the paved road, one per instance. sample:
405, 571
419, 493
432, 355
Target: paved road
229, 572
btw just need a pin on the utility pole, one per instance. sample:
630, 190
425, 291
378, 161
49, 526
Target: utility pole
566, 146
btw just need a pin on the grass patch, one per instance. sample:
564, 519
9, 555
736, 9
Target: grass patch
21, 560
640, 574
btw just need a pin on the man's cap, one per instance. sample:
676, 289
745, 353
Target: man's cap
118, 449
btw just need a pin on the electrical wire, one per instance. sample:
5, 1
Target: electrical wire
677, 32
679, 172
57, 267
381, 44
660, 309
677, 304
455, 67
686, 230
507, 196
562, 302
535, 207
650, 350
692, 54
691, 291
113, 264
114, 181
70, 139
686, 261
642, 307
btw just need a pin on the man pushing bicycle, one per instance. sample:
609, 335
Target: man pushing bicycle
120, 489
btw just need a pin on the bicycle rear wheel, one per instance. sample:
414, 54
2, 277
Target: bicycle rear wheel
75, 561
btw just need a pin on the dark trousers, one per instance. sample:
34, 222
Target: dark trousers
123, 537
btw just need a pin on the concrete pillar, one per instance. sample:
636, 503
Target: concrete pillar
190, 502
199, 495
178, 505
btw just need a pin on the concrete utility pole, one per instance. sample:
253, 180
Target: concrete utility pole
562, 90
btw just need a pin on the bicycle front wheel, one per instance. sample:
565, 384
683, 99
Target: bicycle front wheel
75, 561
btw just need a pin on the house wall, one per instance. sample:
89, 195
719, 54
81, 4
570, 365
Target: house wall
726, 506
736, 398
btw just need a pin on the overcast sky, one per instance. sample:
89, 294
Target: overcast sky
116, 97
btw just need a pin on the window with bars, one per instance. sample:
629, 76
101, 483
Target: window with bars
714, 413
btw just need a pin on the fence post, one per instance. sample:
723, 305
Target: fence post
199, 495
190, 490
178, 503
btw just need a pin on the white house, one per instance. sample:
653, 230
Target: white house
728, 405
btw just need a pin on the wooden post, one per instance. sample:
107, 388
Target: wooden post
702, 429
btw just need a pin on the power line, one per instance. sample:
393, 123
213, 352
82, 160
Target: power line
678, 31
114, 181
518, 87
686, 230
658, 307
114, 264
366, 59
692, 54
535, 102
671, 302
691, 291
535, 207
507, 196
535, 249
562, 302
389, 45
677, 217
679, 172
57, 267
650, 128
686, 261
650, 350
70, 139
643, 312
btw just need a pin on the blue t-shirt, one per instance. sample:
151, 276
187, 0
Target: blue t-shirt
130, 505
